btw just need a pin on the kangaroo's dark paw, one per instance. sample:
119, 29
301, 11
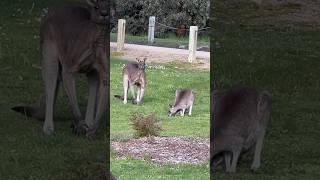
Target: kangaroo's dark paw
134, 101
48, 130
91, 133
80, 128
254, 168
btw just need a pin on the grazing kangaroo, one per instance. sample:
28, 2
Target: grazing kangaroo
183, 101
74, 40
133, 74
239, 120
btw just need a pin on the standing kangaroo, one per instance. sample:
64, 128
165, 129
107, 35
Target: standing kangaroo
133, 74
74, 40
239, 120
184, 100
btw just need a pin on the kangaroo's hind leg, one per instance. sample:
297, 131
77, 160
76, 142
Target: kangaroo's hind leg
125, 89
102, 102
131, 86
235, 157
263, 111
93, 79
50, 73
182, 112
257, 152
227, 160
138, 94
141, 93
69, 87
190, 110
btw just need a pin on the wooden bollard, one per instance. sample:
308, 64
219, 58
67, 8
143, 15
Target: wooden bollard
121, 34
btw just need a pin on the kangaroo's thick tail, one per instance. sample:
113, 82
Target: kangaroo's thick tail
35, 111
119, 97
29, 111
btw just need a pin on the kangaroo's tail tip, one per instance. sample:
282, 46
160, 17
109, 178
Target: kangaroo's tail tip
29, 112
118, 96
22, 109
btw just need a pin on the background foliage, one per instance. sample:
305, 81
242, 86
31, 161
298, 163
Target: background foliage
170, 12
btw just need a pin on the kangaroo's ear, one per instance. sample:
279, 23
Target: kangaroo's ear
144, 59
137, 59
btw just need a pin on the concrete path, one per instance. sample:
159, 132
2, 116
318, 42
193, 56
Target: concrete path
161, 54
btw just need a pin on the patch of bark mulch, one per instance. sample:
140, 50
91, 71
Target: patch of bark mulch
165, 150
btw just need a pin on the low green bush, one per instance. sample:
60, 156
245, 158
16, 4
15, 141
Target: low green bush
147, 125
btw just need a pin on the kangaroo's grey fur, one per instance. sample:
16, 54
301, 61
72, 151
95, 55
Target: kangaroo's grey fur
111, 176
134, 75
74, 40
183, 101
239, 120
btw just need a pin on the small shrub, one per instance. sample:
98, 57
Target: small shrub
146, 125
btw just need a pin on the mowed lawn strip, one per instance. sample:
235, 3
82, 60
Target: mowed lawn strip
172, 41
162, 81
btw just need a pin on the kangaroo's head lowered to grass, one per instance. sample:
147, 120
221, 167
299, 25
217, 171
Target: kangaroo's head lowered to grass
239, 121
183, 101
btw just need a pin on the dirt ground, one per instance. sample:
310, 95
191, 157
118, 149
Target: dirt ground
165, 150
161, 54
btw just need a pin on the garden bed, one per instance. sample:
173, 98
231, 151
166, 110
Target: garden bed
165, 150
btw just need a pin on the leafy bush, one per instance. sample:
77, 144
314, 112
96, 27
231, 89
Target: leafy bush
146, 125
174, 13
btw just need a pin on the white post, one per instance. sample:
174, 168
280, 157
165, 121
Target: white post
121, 34
152, 22
193, 36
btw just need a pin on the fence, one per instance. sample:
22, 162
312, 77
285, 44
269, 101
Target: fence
193, 35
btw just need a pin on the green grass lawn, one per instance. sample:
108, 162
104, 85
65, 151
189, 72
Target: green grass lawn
172, 41
160, 92
285, 61
25, 153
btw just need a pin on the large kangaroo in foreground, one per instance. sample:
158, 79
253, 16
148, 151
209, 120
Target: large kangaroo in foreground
74, 40
239, 120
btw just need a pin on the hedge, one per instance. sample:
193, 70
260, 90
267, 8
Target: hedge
174, 13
